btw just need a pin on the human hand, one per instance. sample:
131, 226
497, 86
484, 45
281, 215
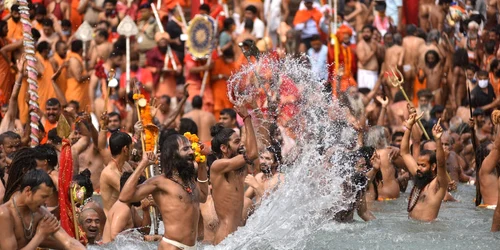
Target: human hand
410, 108
412, 119
20, 64
103, 122
242, 111
384, 101
47, 226
138, 128
452, 186
375, 160
251, 181
186, 92
437, 130
393, 153
149, 158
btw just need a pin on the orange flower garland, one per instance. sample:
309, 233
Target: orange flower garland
150, 130
195, 145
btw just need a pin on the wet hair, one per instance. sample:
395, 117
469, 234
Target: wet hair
460, 58
35, 178
248, 24
433, 36
431, 154
230, 112
228, 23
220, 136
205, 7
83, 180
65, 23
48, 153
411, 30
252, 9
76, 46
398, 39
127, 175
275, 150
421, 33
42, 47
104, 33
376, 137
118, 141
169, 150
14, 8
197, 102
187, 125
22, 162
10, 135
52, 101
52, 136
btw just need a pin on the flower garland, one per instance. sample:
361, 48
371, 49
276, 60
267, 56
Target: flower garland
195, 145
150, 130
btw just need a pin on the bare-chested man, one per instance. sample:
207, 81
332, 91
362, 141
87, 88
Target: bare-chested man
178, 192
488, 174
394, 58
433, 16
458, 83
453, 161
228, 173
123, 216
411, 45
25, 208
101, 49
120, 145
358, 16
428, 191
204, 120
430, 70
366, 50
492, 10
388, 186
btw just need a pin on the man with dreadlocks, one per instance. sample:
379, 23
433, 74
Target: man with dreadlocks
227, 173
26, 205
178, 192
428, 190
22, 162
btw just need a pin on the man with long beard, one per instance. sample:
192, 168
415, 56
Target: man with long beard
228, 173
428, 190
178, 192
430, 74
424, 104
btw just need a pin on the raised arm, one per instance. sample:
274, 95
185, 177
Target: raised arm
442, 175
59, 94
408, 159
10, 116
202, 181
178, 109
133, 193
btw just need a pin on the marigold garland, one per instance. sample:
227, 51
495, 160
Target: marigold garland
150, 130
195, 145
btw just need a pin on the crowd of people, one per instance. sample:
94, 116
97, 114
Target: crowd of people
420, 89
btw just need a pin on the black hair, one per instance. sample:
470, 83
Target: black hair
399, 96
252, 9
76, 103
187, 125
22, 162
65, 23
46, 152
47, 22
397, 134
167, 98
230, 112
169, 149
431, 154
411, 30
104, 33
52, 101
482, 73
228, 22
36, 34
205, 7
275, 150
76, 46
220, 136
83, 180
315, 38
460, 58
3, 24
368, 26
127, 175
40, 10
35, 178
165, 134
52, 136
197, 102
118, 141
14, 8
248, 24
113, 114
489, 47
228, 53
10, 135
43, 46
441, 2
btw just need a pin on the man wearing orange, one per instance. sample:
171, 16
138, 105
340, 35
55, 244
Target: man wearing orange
58, 60
164, 78
14, 24
45, 88
223, 67
6, 74
347, 59
194, 71
307, 21
78, 78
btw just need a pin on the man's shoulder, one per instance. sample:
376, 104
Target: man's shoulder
5, 212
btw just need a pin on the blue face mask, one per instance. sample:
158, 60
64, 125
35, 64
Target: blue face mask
473, 81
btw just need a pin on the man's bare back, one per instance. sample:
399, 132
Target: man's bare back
389, 187
204, 120
110, 185
92, 159
411, 45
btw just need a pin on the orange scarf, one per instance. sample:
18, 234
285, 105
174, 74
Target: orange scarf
346, 54
303, 16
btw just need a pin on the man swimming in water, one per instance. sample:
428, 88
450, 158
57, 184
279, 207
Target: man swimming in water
428, 190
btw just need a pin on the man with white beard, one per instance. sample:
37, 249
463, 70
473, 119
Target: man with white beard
424, 103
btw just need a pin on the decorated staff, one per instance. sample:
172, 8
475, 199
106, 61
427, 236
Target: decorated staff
85, 34
127, 28
201, 41
29, 49
396, 79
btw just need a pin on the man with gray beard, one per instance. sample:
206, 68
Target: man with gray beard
424, 103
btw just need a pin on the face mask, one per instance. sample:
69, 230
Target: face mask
51, 53
483, 83
66, 33
473, 81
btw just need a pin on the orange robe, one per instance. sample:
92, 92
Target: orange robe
219, 87
417, 86
195, 83
47, 126
303, 16
166, 85
7, 79
45, 88
61, 81
75, 90
348, 62
15, 30
76, 18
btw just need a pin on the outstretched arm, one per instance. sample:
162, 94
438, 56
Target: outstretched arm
408, 159
178, 109
133, 193
10, 116
442, 175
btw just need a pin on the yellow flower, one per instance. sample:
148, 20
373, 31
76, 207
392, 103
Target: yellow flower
202, 159
194, 138
197, 158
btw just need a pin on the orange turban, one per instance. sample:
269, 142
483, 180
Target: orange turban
344, 29
161, 35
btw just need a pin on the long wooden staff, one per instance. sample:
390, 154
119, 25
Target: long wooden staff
474, 147
169, 55
209, 61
